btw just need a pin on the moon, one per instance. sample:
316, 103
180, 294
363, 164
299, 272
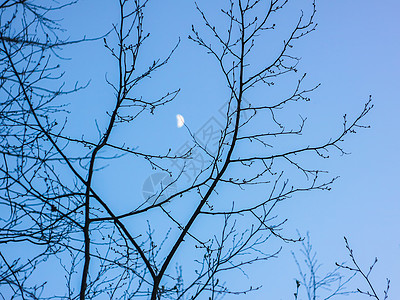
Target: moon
180, 121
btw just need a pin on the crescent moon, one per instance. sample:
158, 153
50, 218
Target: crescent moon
180, 121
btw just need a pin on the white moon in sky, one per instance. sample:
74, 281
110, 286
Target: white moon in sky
179, 120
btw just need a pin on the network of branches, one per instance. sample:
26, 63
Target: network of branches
55, 222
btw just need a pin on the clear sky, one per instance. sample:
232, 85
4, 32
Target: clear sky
353, 53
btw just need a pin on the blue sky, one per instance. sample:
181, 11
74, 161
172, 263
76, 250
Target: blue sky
353, 54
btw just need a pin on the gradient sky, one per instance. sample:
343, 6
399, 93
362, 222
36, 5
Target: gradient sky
353, 53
